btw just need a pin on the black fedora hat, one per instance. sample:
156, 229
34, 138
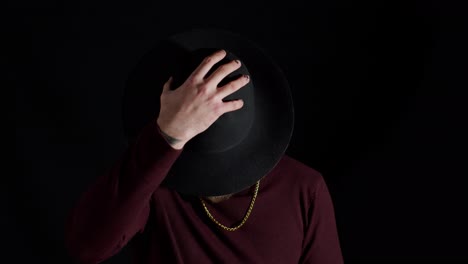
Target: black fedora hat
242, 146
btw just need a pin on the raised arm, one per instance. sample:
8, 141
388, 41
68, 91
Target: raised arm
116, 206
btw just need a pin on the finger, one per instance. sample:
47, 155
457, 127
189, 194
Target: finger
233, 86
224, 70
205, 66
167, 85
233, 105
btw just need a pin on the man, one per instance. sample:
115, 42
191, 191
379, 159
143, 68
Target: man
207, 181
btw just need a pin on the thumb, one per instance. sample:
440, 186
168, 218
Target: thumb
167, 85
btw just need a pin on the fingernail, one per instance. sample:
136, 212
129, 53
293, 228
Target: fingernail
247, 76
238, 62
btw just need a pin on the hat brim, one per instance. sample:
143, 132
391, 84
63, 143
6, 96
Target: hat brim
212, 174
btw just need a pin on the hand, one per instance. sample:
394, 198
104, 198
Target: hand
197, 103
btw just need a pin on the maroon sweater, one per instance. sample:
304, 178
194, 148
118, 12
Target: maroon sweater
292, 220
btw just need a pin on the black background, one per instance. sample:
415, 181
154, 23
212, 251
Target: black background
377, 85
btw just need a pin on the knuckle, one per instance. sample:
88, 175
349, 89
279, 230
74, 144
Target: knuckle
208, 59
235, 85
203, 90
231, 86
191, 80
215, 97
204, 86
218, 109
226, 67
237, 104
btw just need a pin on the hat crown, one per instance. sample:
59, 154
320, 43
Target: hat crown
253, 138
231, 127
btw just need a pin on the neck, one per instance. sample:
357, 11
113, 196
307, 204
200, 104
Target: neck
217, 199
220, 198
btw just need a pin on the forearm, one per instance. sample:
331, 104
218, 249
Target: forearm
116, 205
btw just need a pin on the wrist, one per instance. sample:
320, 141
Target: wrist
174, 142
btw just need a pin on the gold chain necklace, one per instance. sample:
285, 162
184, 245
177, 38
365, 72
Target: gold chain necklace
243, 220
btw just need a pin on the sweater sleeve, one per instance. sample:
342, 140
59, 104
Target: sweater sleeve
117, 204
321, 243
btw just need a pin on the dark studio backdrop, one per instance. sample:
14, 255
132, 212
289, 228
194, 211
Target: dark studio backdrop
377, 85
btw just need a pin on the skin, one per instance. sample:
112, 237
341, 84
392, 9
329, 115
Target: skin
217, 199
194, 106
